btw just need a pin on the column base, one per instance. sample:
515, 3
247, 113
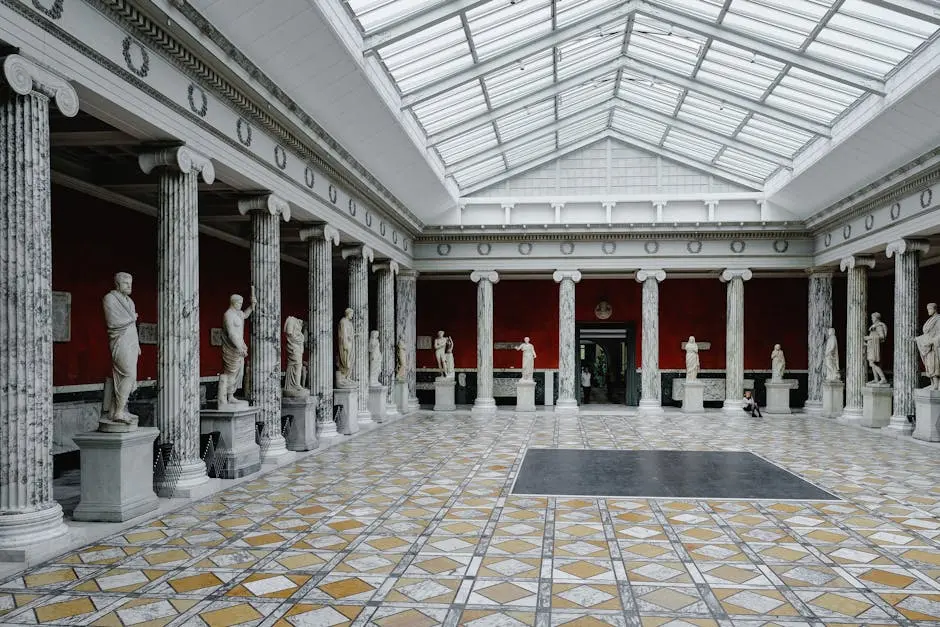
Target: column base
851, 416
927, 406
649, 406
413, 404
327, 429
876, 405
193, 481
484, 406
733, 407
814, 408
364, 417
22, 534
567, 406
273, 449
899, 425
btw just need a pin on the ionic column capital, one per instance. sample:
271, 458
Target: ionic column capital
484, 275
275, 205
906, 246
25, 76
728, 274
642, 275
386, 266
561, 275
820, 273
362, 250
182, 158
856, 261
327, 232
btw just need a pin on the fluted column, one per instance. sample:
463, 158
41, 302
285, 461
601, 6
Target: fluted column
266, 213
320, 241
484, 403
385, 310
406, 326
28, 513
177, 413
651, 395
567, 351
907, 254
358, 259
734, 344
820, 321
856, 327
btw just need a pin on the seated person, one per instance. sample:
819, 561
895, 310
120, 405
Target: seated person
751, 406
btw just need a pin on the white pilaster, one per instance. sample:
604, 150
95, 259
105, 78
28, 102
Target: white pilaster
484, 403
567, 351
856, 327
820, 321
358, 259
385, 303
734, 344
406, 315
651, 392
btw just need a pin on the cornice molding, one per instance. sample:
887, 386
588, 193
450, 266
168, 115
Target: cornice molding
527, 235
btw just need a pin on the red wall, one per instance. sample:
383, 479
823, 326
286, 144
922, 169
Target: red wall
92, 239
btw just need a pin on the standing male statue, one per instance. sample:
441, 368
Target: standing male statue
877, 333
345, 355
120, 315
528, 360
928, 345
234, 349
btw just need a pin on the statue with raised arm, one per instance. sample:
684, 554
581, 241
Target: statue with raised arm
449, 358
778, 364
375, 358
691, 360
345, 355
120, 315
528, 360
831, 358
234, 349
401, 362
294, 373
928, 345
877, 333
440, 344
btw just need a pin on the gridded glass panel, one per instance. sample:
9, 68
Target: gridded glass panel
738, 70
374, 14
812, 96
534, 149
526, 120
451, 108
694, 146
660, 44
774, 136
708, 9
439, 51
468, 144
569, 11
500, 26
635, 125
480, 172
519, 79
711, 114
784, 22
570, 133
748, 165
584, 96
587, 52
652, 94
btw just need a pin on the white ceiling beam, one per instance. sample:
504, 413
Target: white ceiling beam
926, 10
525, 138
477, 70
692, 162
546, 93
415, 23
521, 169
695, 129
718, 93
654, 9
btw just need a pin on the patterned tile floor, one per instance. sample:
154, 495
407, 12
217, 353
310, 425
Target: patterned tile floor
414, 525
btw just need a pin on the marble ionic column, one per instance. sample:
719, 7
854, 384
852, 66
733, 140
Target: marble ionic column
651, 394
385, 310
734, 344
567, 351
358, 259
856, 327
406, 326
264, 349
820, 321
177, 411
320, 241
906, 365
28, 513
484, 403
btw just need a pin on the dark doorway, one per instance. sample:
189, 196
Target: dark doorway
608, 349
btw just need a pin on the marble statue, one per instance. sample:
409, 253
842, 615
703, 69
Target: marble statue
440, 344
877, 333
831, 357
401, 362
528, 360
778, 364
120, 315
691, 360
234, 349
294, 373
928, 345
375, 358
345, 355
449, 358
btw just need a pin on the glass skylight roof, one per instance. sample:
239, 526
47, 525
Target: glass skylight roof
735, 87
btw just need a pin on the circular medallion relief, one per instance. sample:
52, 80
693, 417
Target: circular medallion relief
694, 247
869, 222
484, 248
609, 248
567, 248
926, 197
781, 245
603, 310
827, 240
896, 211
651, 247
737, 246
847, 231
442, 249
525, 248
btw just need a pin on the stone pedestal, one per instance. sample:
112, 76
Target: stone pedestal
876, 406
302, 434
693, 397
400, 396
377, 402
117, 475
778, 397
525, 396
444, 394
927, 406
348, 421
833, 398
236, 453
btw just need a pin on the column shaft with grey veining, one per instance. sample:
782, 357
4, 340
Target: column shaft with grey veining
264, 348
567, 351
484, 403
28, 512
651, 395
906, 364
385, 318
358, 258
406, 326
320, 242
820, 321
855, 330
734, 343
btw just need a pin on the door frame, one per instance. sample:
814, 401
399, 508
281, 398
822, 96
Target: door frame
631, 380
